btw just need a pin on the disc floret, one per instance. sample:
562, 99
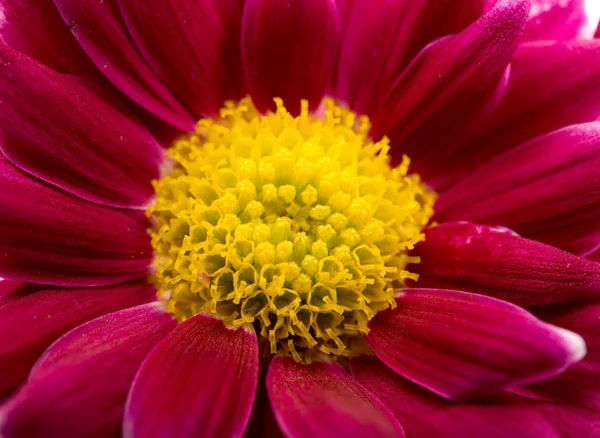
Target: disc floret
298, 226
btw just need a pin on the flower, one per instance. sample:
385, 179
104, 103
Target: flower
279, 266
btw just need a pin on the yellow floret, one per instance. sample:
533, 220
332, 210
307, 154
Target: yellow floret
296, 225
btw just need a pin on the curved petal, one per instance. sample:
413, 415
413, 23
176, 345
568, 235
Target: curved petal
49, 237
79, 387
557, 20
193, 46
199, 381
288, 49
545, 190
466, 71
383, 36
322, 400
459, 344
496, 262
552, 85
59, 130
501, 417
26, 26
101, 32
49, 314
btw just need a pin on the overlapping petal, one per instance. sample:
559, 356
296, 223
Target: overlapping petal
460, 345
199, 381
545, 190
99, 28
465, 71
497, 262
288, 50
322, 400
383, 36
47, 236
193, 46
30, 324
78, 388
26, 27
425, 414
63, 132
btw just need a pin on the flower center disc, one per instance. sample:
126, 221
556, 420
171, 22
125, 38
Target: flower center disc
296, 225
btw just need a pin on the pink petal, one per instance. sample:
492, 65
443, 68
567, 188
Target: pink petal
193, 46
465, 71
78, 388
49, 237
101, 32
460, 345
497, 262
424, 414
76, 144
26, 27
595, 256
545, 190
552, 85
556, 20
288, 49
199, 381
30, 324
323, 400
383, 36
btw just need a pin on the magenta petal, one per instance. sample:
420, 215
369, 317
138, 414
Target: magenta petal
56, 128
49, 237
381, 37
79, 387
460, 345
424, 414
556, 20
194, 46
545, 190
288, 49
552, 85
101, 32
465, 72
30, 324
26, 27
496, 262
199, 381
322, 400
579, 384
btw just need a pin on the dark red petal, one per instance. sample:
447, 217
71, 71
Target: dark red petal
424, 414
58, 129
383, 36
193, 46
322, 400
545, 190
288, 49
460, 345
466, 72
78, 388
497, 262
30, 324
47, 236
101, 32
199, 381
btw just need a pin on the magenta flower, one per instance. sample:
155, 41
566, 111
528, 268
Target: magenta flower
308, 218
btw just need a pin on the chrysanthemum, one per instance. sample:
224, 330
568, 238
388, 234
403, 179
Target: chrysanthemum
302, 217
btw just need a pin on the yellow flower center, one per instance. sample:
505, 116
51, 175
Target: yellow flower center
298, 226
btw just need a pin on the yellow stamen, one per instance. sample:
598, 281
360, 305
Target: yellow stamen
296, 225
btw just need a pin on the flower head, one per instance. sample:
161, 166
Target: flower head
307, 217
